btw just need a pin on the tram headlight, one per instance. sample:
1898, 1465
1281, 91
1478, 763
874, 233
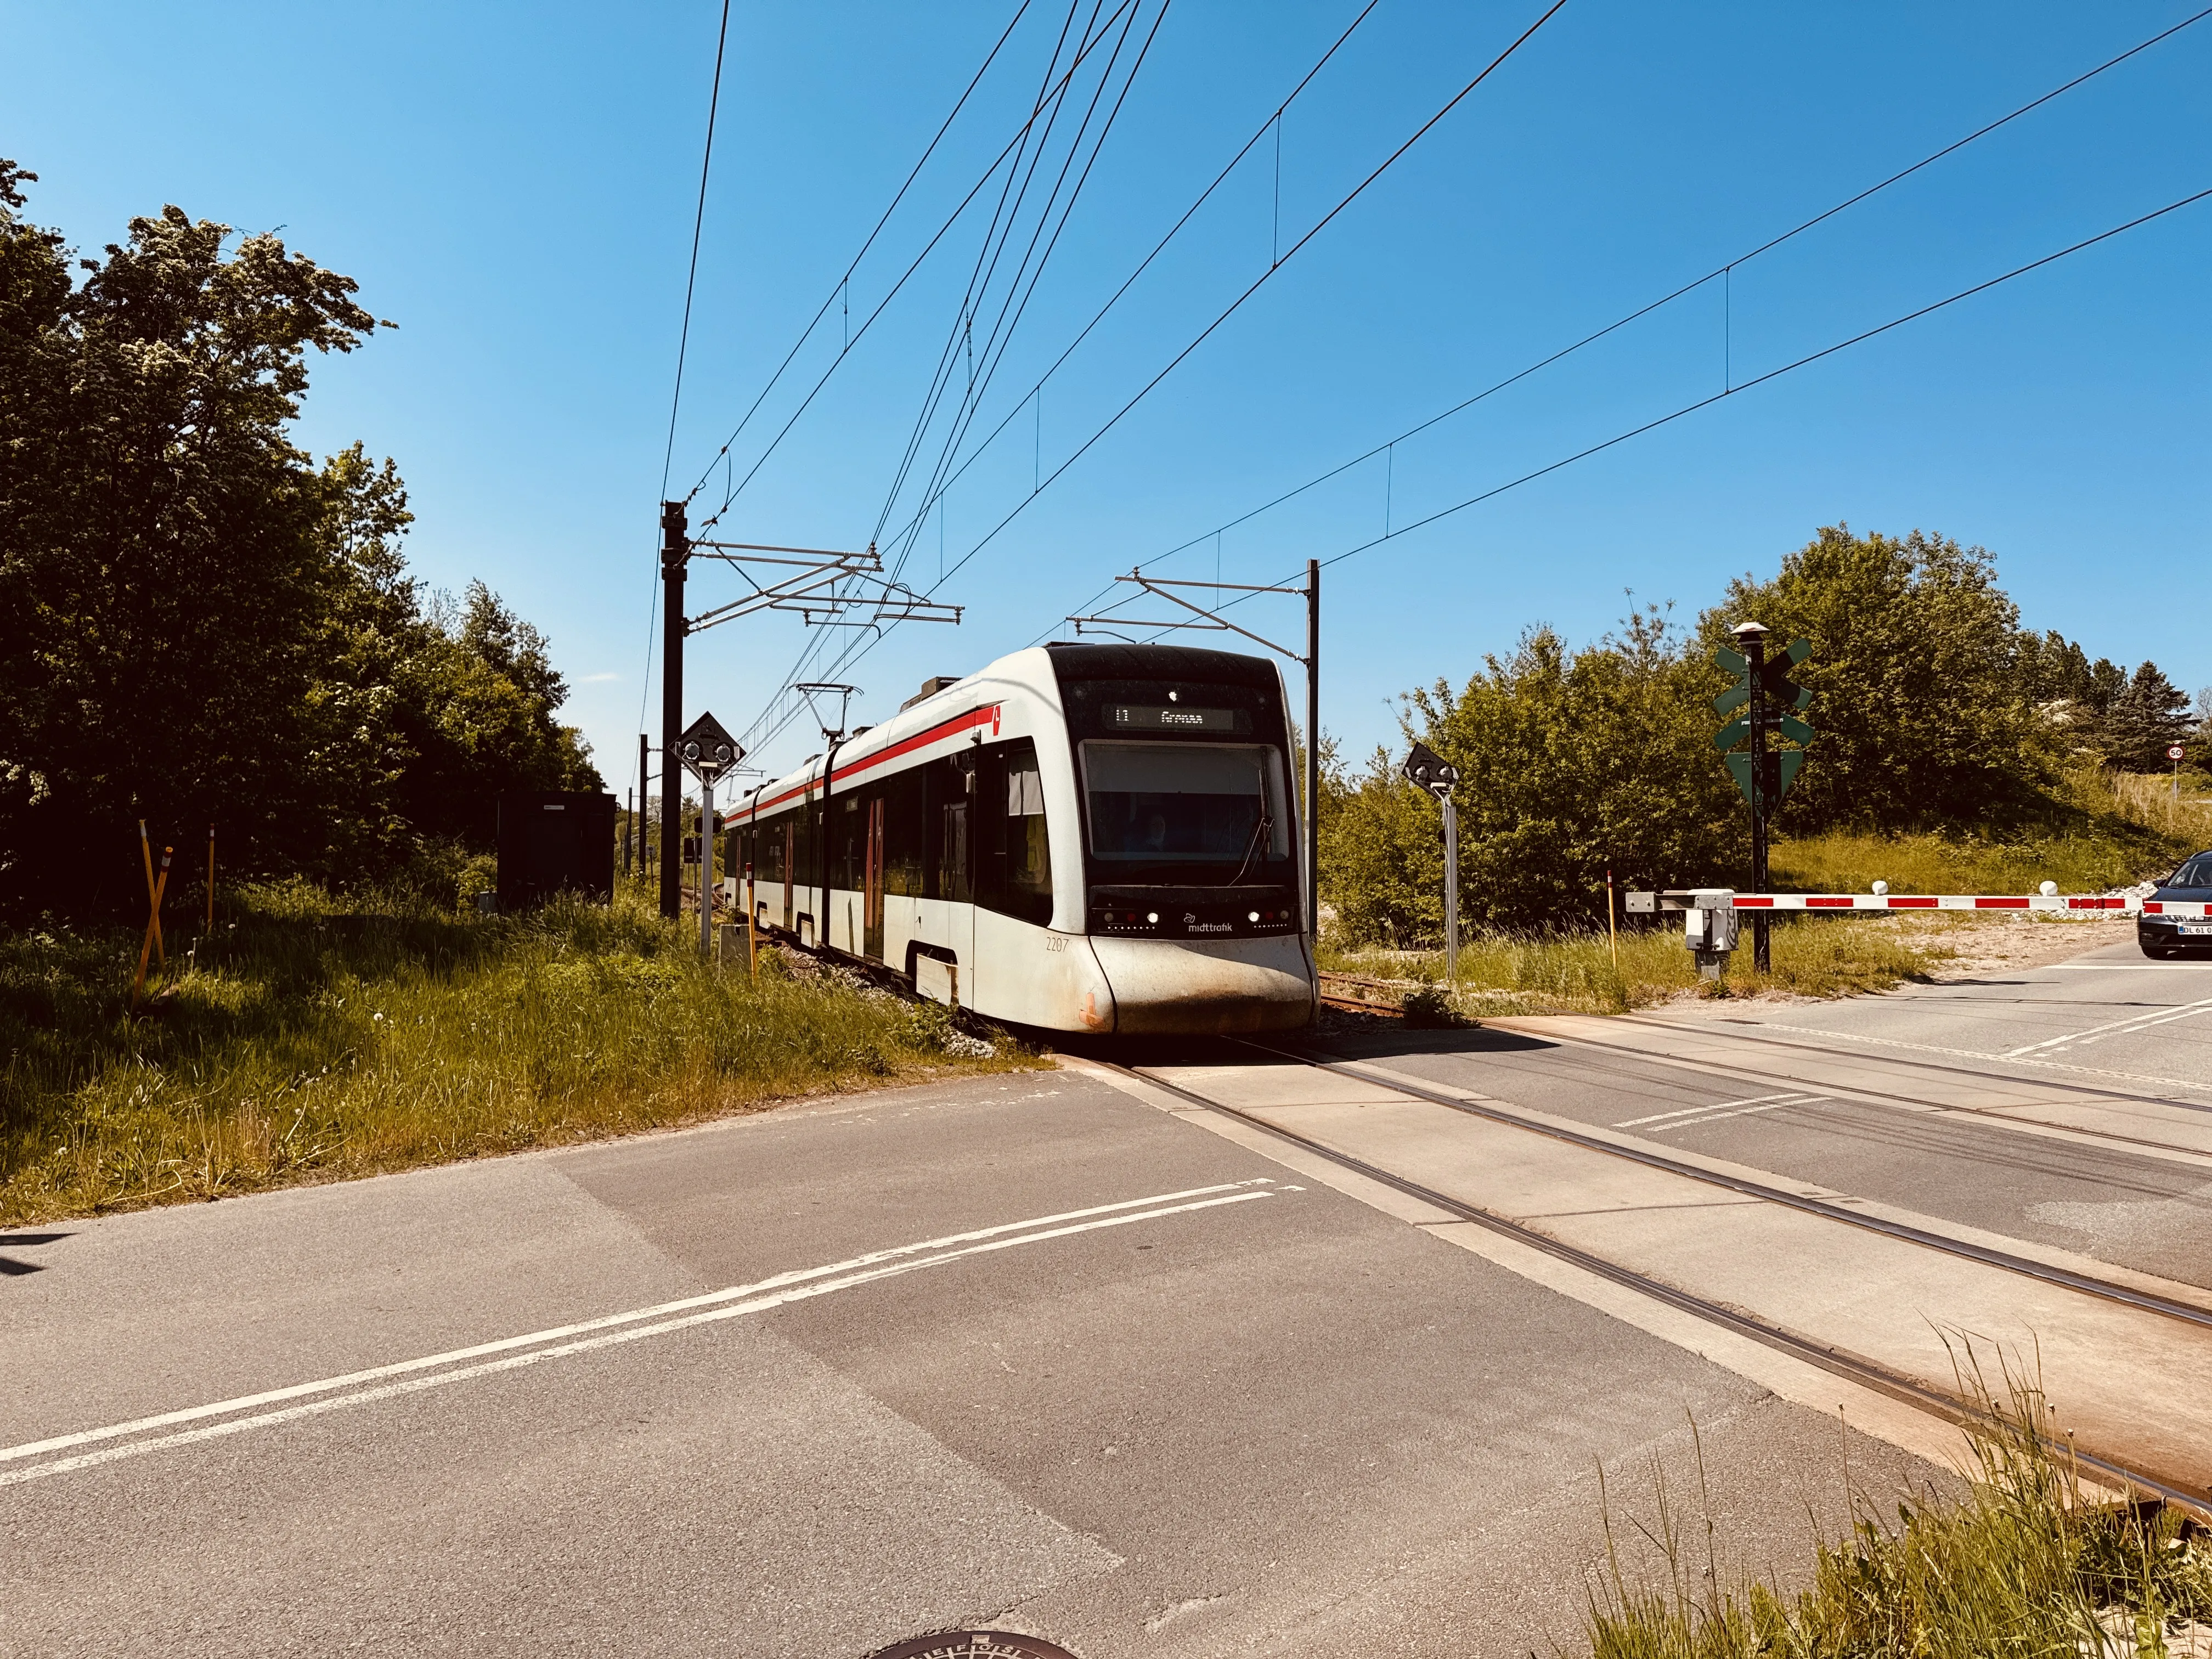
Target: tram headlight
1152, 917
1255, 916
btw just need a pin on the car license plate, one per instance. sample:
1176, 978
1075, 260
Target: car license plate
2203, 927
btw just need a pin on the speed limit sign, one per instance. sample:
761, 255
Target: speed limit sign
2176, 753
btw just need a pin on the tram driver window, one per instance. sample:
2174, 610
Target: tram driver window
1214, 809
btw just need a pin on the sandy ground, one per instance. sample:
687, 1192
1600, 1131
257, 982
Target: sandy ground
1987, 944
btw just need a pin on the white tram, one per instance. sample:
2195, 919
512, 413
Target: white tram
1079, 837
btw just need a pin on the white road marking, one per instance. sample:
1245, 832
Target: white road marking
2191, 1085
794, 1285
1772, 1106
2155, 1016
1661, 1117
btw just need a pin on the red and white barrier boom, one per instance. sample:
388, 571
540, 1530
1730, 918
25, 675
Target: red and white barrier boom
1929, 901
2176, 908
1721, 898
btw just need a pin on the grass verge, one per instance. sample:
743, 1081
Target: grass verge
318, 1038
2113, 829
1578, 973
2027, 1563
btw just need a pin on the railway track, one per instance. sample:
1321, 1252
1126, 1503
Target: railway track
1952, 1405
1749, 1073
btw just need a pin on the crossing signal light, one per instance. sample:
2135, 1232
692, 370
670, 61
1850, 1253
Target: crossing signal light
1779, 702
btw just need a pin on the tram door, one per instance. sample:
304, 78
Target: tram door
790, 868
956, 878
872, 889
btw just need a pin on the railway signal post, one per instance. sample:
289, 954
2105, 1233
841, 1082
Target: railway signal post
1431, 771
1771, 703
707, 752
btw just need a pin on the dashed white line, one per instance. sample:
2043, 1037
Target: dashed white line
1717, 1105
2113, 1028
607, 1331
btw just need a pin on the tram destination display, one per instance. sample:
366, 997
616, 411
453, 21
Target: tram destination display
1172, 717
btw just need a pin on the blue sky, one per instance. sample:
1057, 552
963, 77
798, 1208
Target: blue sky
515, 185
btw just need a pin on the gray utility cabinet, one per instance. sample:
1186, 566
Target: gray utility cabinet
549, 841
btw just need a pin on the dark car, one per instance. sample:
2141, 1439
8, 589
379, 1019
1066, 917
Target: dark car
2179, 936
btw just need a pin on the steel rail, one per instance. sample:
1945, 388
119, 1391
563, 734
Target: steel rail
1837, 1361
2187, 1313
1755, 1075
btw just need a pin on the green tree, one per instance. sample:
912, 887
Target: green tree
196, 624
1571, 763
2149, 716
1926, 708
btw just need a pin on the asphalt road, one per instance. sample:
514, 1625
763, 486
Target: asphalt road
2110, 1018
1140, 1390
2143, 1201
1029, 1352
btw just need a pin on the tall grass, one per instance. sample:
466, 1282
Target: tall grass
315, 1038
1577, 972
2029, 1564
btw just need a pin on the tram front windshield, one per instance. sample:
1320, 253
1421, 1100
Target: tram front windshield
1187, 811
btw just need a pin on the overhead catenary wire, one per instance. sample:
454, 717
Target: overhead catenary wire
1776, 373
854, 652
1722, 271
683, 335
1012, 311
1396, 533
1143, 264
841, 295
943, 230
1005, 218
904, 535
1758, 380
1023, 284
1005, 222
1235, 305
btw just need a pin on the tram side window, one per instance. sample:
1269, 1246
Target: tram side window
906, 833
851, 816
802, 844
951, 787
1014, 856
768, 860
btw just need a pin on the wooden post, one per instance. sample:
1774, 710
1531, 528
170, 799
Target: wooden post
153, 924
210, 921
153, 893
1612, 932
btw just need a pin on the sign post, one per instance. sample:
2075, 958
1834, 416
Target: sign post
2174, 754
1431, 771
1771, 703
707, 752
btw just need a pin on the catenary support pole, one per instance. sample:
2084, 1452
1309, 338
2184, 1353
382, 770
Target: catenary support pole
1765, 779
1451, 892
675, 553
644, 795
706, 866
1313, 751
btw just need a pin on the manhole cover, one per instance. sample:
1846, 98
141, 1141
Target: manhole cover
973, 1644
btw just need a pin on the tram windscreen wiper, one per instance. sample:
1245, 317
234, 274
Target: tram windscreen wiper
1259, 834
